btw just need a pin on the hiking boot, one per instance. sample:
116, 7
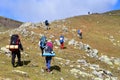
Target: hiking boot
14, 65
48, 70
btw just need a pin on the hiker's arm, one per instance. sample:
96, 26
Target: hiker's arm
20, 46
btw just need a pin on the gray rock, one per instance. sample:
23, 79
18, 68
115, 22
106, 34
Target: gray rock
86, 47
98, 73
117, 61
67, 62
42, 70
20, 73
57, 42
94, 67
105, 59
71, 42
6, 51
61, 78
81, 46
93, 53
82, 61
71, 66
107, 73
65, 29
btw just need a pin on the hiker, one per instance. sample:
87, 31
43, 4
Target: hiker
80, 33
15, 40
61, 42
48, 49
42, 43
47, 24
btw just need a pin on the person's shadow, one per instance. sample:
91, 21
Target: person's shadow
55, 67
25, 62
22, 63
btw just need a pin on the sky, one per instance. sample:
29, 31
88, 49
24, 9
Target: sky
41, 10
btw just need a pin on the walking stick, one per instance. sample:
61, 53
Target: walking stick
23, 57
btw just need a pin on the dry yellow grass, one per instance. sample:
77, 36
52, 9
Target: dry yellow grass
97, 30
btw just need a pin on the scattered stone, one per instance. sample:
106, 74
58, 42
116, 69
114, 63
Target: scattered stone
117, 61
105, 59
93, 53
71, 42
61, 78
67, 62
20, 73
94, 67
42, 70
57, 42
87, 47
82, 61
65, 29
6, 51
71, 66
81, 46
78, 66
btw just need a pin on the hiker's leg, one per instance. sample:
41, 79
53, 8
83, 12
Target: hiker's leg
80, 35
19, 57
13, 59
62, 45
48, 62
46, 59
42, 50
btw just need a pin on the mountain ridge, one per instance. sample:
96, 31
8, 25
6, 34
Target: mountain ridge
75, 62
9, 23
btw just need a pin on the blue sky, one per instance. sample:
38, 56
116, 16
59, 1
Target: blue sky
40, 10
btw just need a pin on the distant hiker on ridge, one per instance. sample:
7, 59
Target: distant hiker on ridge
80, 33
47, 24
61, 42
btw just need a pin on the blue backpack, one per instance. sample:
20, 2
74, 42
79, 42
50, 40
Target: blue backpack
43, 41
46, 23
61, 39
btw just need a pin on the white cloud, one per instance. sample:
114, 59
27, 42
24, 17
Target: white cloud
39, 10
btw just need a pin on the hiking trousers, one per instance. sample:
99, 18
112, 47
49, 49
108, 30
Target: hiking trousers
48, 62
14, 53
42, 50
62, 45
80, 35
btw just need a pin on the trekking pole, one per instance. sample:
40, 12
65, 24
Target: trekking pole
23, 57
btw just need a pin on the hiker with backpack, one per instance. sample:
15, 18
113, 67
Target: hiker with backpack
42, 43
47, 24
80, 33
15, 41
61, 42
48, 58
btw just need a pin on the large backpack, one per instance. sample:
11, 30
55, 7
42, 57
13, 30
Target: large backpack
46, 23
48, 50
43, 41
61, 39
14, 41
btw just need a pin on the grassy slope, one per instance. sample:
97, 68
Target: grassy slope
96, 31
